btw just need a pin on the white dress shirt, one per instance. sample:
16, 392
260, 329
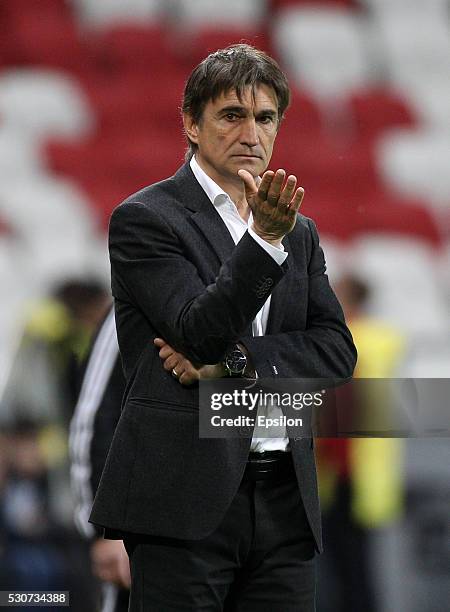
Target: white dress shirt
237, 228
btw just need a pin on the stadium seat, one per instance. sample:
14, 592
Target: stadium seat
40, 207
417, 164
335, 256
192, 45
320, 161
430, 99
19, 154
281, 4
407, 291
378, 109
324, 49
116, 166
415, 48
303, 115
130, 102
407, 7
44, 103
45, 39
345, 215
245, 14
429, 361
104, 13
132, 48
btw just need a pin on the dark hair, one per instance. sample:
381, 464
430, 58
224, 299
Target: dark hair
234, 68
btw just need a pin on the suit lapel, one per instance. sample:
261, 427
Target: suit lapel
209, 222
204, 214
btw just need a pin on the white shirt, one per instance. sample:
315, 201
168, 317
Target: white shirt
237, 228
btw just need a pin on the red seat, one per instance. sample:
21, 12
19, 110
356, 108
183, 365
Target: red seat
281, 4
126, 163
303, 115
192, 46
132, 102
347, 216
323, 162
379, 109
131, 48
46, 40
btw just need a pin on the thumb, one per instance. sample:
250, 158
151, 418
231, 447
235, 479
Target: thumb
249, 182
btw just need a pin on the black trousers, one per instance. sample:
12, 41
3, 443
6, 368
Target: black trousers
261, 558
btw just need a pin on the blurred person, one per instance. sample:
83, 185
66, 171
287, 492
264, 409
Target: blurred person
360, 483
31, 555
198, 261
92, 428
40, 392
37, 549
41, 384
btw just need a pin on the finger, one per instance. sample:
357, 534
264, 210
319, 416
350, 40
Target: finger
249, 183
187, 378
275, 188
171, 363
166, 351
124, 573
288, 192
159, 342
264, 185
297, 200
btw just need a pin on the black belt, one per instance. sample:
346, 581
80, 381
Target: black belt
269, 465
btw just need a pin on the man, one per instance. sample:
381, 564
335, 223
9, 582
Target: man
210, 268
91, 431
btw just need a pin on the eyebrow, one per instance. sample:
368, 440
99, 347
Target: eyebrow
242, 110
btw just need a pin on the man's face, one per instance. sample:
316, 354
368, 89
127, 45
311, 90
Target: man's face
234, 134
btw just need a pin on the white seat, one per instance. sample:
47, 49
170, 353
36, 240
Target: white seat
240, 13
431, 364
335, 257
407, 291
417, 164
105, 13
57, 228
324, 49
44, 103
19, 155
416, 48
430, 99
41, 208
407, 7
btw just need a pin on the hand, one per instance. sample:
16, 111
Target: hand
274, 207
183, 369
110, 562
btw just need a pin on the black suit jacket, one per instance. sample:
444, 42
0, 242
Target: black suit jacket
177, 274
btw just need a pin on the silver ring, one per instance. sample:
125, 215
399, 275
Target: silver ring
175, 373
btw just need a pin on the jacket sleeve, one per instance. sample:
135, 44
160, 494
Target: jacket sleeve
150, 270
94, 421
325, 349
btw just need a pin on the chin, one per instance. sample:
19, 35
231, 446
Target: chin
254, 166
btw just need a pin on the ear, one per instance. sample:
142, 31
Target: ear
190, 127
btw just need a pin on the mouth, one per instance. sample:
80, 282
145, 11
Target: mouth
248, 156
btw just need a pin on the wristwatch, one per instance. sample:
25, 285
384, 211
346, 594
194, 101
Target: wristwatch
235, 362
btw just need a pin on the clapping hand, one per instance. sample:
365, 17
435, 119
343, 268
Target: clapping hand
274, 203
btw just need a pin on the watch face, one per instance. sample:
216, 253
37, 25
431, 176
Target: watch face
236, 362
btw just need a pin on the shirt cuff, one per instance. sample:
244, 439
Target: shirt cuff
277, 253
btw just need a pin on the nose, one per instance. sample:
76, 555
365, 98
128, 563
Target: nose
249, 134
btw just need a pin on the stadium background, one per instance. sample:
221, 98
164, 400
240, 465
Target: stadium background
90, 92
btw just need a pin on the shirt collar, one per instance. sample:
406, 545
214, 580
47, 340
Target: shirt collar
214, 192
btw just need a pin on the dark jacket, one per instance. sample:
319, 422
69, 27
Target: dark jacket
177, 274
